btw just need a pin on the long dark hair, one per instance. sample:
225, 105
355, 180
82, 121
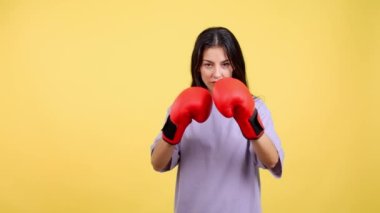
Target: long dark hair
217, 37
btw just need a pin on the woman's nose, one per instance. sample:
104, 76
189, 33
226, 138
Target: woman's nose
218, 72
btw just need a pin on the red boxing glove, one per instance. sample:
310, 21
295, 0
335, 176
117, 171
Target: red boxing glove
192, 103
233, 99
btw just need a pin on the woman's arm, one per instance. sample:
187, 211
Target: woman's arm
266, 151
161, 155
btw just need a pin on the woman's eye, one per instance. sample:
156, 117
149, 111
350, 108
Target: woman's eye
226, 64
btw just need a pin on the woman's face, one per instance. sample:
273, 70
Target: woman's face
215, 66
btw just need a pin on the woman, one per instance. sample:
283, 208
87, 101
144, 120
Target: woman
219, 153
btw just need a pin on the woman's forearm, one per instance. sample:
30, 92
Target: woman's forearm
266, 151
161, 155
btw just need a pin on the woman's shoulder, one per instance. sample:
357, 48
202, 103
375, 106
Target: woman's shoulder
260, 105
258, 101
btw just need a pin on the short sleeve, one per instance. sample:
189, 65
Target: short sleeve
175, 156
269, 130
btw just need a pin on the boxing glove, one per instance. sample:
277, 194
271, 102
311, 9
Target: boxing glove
192, 103
233, 99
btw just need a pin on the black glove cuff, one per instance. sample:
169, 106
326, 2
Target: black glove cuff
169, 129
256, 124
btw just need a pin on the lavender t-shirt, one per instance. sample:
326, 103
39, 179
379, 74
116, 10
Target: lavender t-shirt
217, 168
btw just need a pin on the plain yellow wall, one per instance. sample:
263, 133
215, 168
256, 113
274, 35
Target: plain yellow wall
85, 85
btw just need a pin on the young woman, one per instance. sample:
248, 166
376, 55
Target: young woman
217, 133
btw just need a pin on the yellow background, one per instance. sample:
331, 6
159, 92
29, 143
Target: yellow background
84, 88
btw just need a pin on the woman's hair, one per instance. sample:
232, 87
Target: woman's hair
217, 37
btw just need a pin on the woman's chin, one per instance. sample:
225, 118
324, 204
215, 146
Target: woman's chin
210, 87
